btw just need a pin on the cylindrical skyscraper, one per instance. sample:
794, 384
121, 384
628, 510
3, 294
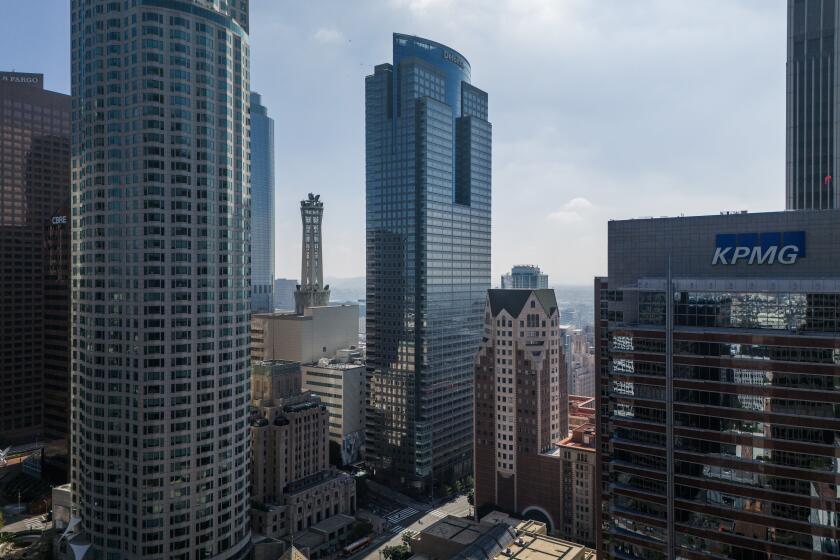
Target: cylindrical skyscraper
160, 278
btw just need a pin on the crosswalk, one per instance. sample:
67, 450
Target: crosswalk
398, 516
438, 513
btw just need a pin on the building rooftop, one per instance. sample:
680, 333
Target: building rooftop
514, 300
532, 546
495, 538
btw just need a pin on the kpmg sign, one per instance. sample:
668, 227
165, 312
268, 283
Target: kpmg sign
782, 247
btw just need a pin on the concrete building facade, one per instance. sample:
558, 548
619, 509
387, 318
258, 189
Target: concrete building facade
340, 384
293, 488
318, 333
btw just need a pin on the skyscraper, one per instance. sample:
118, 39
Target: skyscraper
522, 412
428, 258
718, 350
34, 259
262, 207
160, 278
525, 276
813, 160
311, 292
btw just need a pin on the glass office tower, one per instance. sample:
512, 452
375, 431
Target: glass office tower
812, 156
160, 279
428, 259
718, 343
262, 207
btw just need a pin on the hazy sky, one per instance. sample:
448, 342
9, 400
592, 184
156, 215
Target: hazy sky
600, 109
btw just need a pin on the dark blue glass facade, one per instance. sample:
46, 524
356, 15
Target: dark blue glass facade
428, 259
262, 207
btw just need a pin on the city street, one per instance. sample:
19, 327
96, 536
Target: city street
415, 518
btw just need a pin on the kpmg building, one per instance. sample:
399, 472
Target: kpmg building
262, 207
718, 353
428, 259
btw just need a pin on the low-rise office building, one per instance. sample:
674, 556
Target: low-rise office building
293, 487
496, 537
340, 384
319, 332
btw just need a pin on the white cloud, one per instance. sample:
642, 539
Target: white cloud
577, 203
328, 36
573, 211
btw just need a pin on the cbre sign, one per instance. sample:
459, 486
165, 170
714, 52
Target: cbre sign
774, 247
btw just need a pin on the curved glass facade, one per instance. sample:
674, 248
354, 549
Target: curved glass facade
428, 258
160, 278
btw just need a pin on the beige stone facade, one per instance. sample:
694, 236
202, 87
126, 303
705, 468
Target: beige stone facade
293, 488
318, 333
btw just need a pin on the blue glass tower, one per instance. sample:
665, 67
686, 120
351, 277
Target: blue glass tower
428, 259
262, 207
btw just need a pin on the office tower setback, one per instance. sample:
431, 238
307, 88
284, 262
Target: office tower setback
524, 276
717, 399
522, 411
34, 260
813, 160
160, 279
311, 292
262, 207
428, 259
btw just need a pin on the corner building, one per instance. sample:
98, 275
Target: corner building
428, 259
160, 279
718, 402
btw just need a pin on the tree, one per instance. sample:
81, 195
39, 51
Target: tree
400, 552
407, 536
459, 487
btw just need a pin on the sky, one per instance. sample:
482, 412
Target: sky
600, 110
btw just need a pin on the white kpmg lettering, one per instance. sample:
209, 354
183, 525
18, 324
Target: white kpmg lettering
740, 253
767, 257
720, 255
788, 254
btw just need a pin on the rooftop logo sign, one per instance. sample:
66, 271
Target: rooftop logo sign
782, 247
21, 78
453, 58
